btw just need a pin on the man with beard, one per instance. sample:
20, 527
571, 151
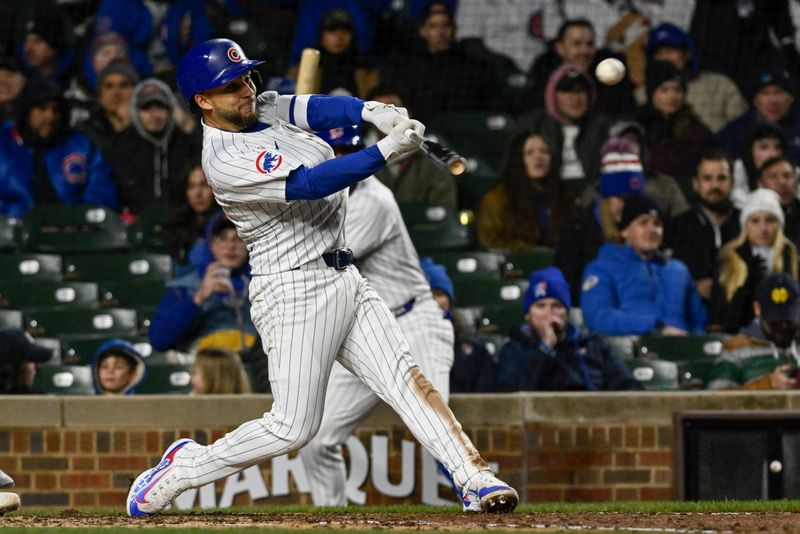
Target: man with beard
763, 355
696, 236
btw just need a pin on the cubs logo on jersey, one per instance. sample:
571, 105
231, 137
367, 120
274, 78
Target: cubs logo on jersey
267, 162
74, 168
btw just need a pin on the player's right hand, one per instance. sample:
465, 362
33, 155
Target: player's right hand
397, 142
383, 116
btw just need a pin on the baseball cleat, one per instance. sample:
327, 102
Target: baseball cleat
8, 502
486, 493
5, 480
154, 489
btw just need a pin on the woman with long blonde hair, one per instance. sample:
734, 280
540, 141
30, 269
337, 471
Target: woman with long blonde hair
760, 249
218, 371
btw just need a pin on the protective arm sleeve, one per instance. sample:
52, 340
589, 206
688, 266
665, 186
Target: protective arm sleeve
174, 317
320, 112
333, 175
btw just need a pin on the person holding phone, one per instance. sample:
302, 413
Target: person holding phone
548, 353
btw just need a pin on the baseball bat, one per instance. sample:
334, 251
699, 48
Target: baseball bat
307, 73
442, 156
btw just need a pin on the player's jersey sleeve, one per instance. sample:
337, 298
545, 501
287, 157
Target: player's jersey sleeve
367, 225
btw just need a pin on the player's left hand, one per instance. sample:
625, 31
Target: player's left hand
383, 116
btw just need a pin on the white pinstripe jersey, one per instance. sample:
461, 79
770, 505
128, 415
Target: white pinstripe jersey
385, 255
247, 172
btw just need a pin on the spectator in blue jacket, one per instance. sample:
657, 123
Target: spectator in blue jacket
43, 161
631, 289
209, 308
548, 353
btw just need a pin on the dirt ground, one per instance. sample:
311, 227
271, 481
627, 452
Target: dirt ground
544, 522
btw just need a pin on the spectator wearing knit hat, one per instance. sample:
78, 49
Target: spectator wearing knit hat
675, 137
621, 176
761, 248
772, 98
45, 50
530, 204
696, 236
713, 96
632, 289
547, 353
578, 132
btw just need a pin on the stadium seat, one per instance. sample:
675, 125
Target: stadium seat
437, 228
144, 316
42, 293
500, 318
147, 232
483, 134
655, 375
110, 322
521, 264
73, 228
64, 380
681, 348
80, 349
470, 265
118, 267
8, 241
490, 292
479, 178
167, 379
23, 267
131, 294
623, 347
11, 319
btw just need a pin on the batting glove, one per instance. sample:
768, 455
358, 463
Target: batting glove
397, 142
382, 115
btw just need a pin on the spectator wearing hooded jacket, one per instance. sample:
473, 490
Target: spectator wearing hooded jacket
548, 353
45, 50
152, 155
43, 161
568, 119
117, 368
630, 289
621, 176
765, 141
209, 306
713, 96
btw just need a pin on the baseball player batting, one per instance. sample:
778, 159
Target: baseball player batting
284, 191
386, 257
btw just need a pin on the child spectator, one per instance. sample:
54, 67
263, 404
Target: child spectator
218, 372
530, 205
117, 368
761, 248
548, 353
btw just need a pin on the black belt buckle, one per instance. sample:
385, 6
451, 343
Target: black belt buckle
339, 259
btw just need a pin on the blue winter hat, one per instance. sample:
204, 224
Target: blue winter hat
548, 283
438, 278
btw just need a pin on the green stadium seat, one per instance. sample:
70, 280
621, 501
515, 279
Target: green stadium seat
521, 264
109, 322
681, 348
80, 349
623, 347
694, 374
64, 380
470, 265
118, 267
490, 292
475, 133
437, 228
23, 267
147, 233
478, 179
38, 294
655, 375
500, 318
144, 316
11, 319
73, 228
131, 294
8, 241
167, 379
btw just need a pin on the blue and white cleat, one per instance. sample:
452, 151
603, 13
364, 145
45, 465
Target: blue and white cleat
154, 489
486, 493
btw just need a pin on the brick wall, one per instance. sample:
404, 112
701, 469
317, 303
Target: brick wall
72, 452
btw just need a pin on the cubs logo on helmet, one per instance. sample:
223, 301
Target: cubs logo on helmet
74, 168
234, 54
267, 162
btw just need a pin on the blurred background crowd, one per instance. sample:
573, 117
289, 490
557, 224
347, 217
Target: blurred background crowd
627, 236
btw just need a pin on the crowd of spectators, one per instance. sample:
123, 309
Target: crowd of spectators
669, 199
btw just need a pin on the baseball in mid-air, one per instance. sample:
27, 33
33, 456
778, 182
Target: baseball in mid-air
610, 71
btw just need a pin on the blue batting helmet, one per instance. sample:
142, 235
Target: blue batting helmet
212, 64
346, 136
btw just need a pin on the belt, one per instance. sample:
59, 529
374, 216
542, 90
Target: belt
404, 309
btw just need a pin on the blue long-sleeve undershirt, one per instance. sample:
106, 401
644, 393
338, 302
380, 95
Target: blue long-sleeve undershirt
333, 175
324, 112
